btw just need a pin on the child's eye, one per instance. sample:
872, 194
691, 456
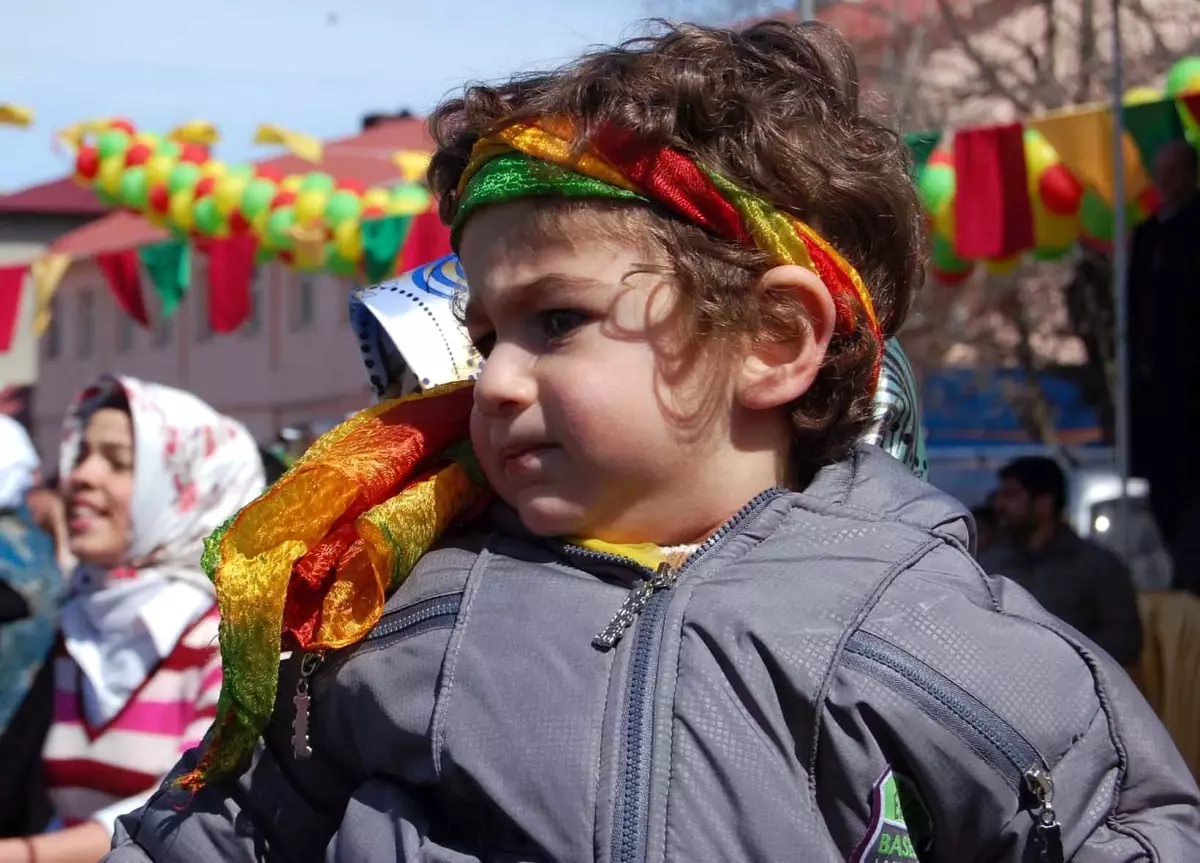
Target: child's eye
558, 323
484, 343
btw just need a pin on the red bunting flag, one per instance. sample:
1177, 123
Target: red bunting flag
992, 212
428, 239
230, 271
121, 271
12, 280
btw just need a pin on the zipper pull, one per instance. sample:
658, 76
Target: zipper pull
308, 666
1046, 829
634, 602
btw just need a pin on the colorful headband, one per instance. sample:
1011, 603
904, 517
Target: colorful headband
619, 165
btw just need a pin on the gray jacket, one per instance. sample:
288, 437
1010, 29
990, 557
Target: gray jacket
830, 678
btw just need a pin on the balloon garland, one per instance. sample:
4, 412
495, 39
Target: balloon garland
312, 221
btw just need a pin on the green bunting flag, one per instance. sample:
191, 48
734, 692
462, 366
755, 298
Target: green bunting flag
1152, 126
921, 145
382, 241
169, 266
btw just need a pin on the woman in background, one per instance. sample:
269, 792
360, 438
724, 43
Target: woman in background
149, 472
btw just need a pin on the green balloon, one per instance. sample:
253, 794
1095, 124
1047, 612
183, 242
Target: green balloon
278, 227
114, 142
183, 176
257, 197
1047, 256
263, 255
342, 206
936, 186
246, 171
336, 264
105, 198
1095, 217
945, 259
318, 181
412, 195
1182, 74
134, 188
170, 149
206, 217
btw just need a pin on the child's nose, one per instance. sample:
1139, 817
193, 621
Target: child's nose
506, 384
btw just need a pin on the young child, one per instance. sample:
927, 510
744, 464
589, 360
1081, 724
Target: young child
698, 622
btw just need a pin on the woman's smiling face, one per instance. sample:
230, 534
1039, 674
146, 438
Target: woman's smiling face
99, 489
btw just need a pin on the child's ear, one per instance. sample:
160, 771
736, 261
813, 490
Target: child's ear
776, 373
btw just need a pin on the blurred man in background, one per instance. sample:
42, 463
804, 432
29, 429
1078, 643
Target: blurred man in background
1078, 581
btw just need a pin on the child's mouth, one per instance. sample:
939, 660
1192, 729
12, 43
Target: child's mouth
525, 460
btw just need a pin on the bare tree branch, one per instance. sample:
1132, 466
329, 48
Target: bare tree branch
987, 69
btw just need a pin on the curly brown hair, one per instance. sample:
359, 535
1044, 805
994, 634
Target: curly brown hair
774, 107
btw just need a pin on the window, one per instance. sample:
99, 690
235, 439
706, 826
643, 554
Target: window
304, 302
164, 330
54, 330
124, 333
200, 309
258, 297
85, 325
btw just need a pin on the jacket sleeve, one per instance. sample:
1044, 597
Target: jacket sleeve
278, 808
957, 701
1118, 626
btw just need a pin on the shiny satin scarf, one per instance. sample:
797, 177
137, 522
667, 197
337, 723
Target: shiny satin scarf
310, 564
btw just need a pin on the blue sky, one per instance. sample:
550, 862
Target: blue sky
239, 63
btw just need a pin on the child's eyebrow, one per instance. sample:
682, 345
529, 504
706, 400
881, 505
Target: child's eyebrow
524, 294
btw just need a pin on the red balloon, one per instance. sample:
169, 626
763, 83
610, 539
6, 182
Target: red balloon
1060, 192
87, 162
205, 187
193, 153
159, 198
352, 186
268, 172
373, 212
288, 258
950, 279
1148, 201
282, 199
238, 223
940, 156
122, 124
138, 154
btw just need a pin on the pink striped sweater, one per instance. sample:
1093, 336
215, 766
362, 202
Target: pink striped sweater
98, 774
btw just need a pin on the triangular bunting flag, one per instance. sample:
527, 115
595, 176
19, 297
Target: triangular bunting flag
230, 270
921, 145
169, 266
121, 271
427, 241
15, 115
995, 220
1084, 141
1152, 126
297, 143
12, 280
382, 239
47, 272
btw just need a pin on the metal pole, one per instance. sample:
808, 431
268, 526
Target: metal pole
1120, 265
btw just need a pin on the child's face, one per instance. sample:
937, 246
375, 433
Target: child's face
585, 419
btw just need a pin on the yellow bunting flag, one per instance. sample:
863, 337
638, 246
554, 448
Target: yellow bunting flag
310, 245
72, 136
15, 115
47, 271
305, 146
412, 164
196, 132
1083, 138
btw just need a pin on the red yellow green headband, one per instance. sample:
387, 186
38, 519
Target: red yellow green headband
618, 164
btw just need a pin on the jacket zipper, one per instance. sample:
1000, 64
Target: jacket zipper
437, 612
999, 744
646, 605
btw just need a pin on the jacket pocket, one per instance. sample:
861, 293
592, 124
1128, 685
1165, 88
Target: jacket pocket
437, 612
1005, 749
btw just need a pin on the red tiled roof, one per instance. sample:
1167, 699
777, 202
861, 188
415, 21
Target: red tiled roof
62, 197
871, 21
365, 157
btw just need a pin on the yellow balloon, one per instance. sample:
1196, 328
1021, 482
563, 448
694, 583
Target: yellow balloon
214, 169
1040, 156
150, 139
155, 218
259, 225
1051, 231
1003, 266
291, 183
347, 238
158, 168
943, 220
228, 194
1142, 96
309, 257
375, 198
310, 206
180, 209
108, 177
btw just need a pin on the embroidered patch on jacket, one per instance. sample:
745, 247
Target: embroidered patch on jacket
900, 828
